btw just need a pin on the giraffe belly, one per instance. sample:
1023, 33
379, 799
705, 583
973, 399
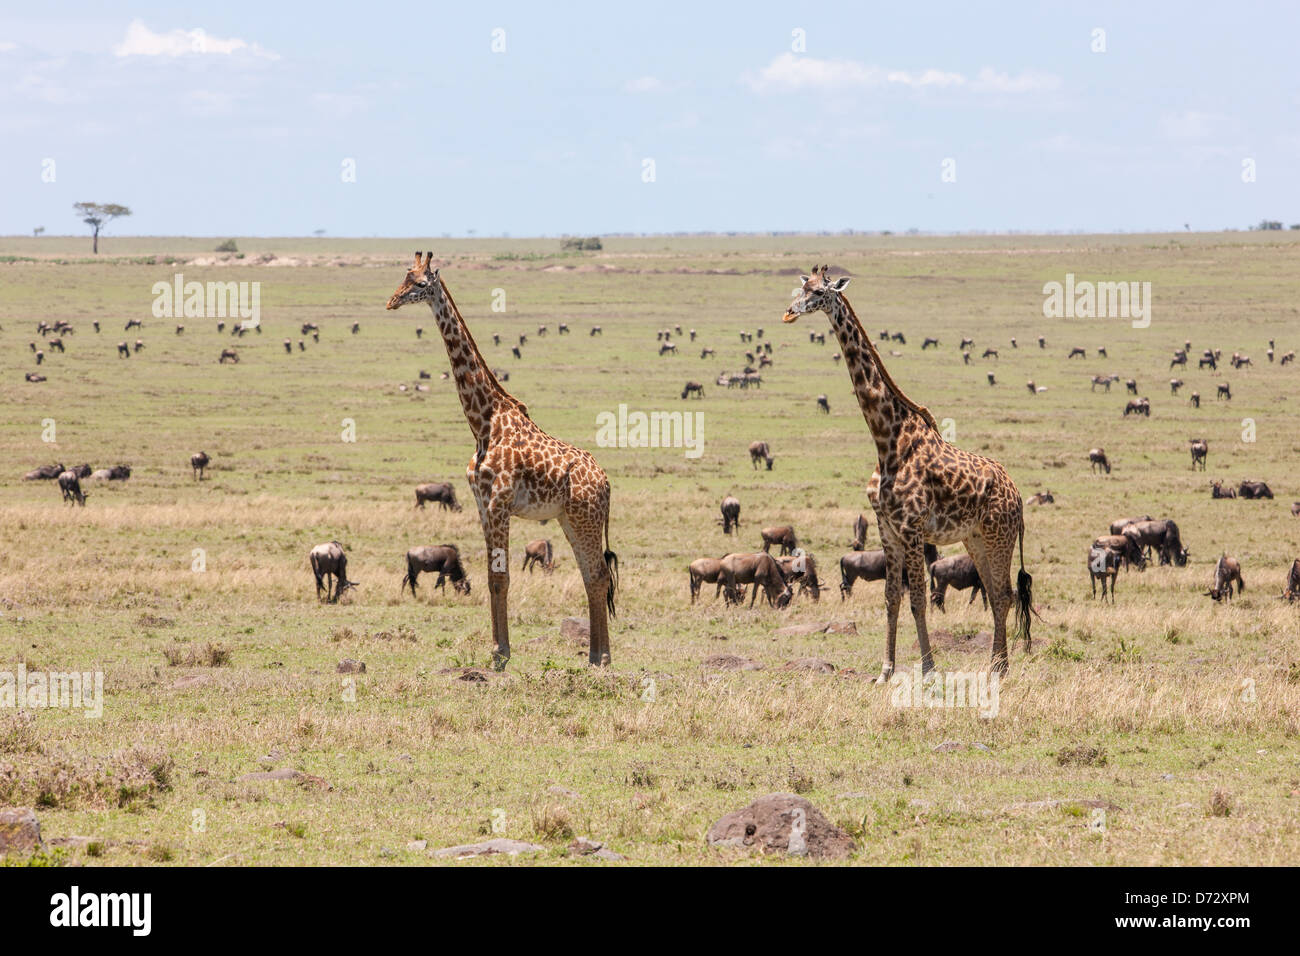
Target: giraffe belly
535, 507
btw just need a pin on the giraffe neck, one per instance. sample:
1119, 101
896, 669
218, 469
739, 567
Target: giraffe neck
480, 392
885, 409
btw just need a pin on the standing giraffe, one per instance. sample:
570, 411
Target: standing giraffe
925, 490
518, 469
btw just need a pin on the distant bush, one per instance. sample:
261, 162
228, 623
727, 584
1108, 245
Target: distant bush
590, 244
228, 246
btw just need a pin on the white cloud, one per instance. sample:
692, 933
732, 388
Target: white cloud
141, 41
644, 84
788, 73
1190, 124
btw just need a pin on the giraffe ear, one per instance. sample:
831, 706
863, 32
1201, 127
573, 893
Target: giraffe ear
840, 284
804, 279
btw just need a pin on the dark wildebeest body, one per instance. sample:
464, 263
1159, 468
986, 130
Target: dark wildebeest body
1103, 564
1125, 545
782, 535
693, 388
199, 462
1097, 458
859, 533
824, 404
704, 571
1162, 537
871, 566
442, 560
439, 491
71, 488
758, 569
1218, 491
45, 473
539, 552
1292, 590
730, 514
1138, 406
957, 571
1200, 453
1117, 527
801, 569
758, 451
1254, 489
1226, 571
329, 562
116, 473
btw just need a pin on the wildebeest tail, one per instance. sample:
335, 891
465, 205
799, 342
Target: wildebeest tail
1024, 595
410, 576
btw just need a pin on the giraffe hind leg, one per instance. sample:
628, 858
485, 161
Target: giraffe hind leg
585, 537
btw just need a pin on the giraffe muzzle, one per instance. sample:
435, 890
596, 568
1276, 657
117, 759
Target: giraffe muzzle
789, 316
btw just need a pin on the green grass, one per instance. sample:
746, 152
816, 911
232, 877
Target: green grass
210, 676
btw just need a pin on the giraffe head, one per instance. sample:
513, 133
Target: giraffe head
419, 285
816, 293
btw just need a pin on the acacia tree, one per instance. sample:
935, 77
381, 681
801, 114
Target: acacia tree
98, 215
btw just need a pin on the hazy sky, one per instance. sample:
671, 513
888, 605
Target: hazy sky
241, 118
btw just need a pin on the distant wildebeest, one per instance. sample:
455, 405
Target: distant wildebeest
501, 374
859, 533
668, 348
1126, 545
424, 374
539, 552
704, 571
198, 462
1097, 457
764, 362
989, 352
496, 338
758, 451
1079, 351
514, 350
730, 514
1241, 361
1292, 589
230, 354
1042, 342
824, 404
71, 488
116, 473
35, 377
781, 534
871, 566
1042, 498
1218, 491
706, 353
1226, 571
139, 344
966, 343
563, 329
836, 358
759, 569
302, 346
1174, 385
55, 345
1117, 527
123, 350
1180, 358
440, 491
1138, 406
288, 346
1295, 509
96, 325
899, 337
329, 562
1200, 452
596, 330
801, 569
45, 473
927, 342
1101, 352
1102, 380
541, 330
1103, 565
523, 340
1132, 386
1288, 358
957, 571
1208, 359
1224, 391
1254, 489
693, 388
442, 560
1162, 537
992, 379
132, 324
1013, 343
1195, 399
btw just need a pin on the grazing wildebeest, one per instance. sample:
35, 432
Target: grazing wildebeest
1126, 545
1226, 571
758, 451
801, 569
329, 561
706, 353
45, 472
123, 350
1292, 590
859, 533
1200, 452
966, 343
1225, 391
356, 327
1042, 498
1103, 564
288, 346
1174, 385
1254, 489
782, 535
116, 473
132, 324
758, 569
992, 379
439, 491
496, 338
1117, 527
957, 571
1218, 491
899, 337
1101, 352
730, 514
539, 552
443, 560
704, 571
668, 348
1042, 341
523, 340
1180, 358
1132, 386
55, 345
1288, 358
1013, 343
96, 325
1102, 380
1295, 509
965, 358
989, 352
541, 330
139, 344
1079, 351
824, 404
514, 350
1195, 399
929, 342
1138, 406
198, 462
71, 488
230, 354
1097, 457
871, 566
596, 330
693, 388
302, 346
1162, 537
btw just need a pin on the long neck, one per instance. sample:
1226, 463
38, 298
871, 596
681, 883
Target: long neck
480, 392
883, 406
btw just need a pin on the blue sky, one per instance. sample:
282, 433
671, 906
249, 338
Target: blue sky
245, 127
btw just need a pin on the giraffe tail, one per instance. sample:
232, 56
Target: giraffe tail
1024, 595
611, 562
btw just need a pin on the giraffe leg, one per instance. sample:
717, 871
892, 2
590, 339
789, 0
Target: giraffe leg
994, 566
585, 537
496, 534
893, 598
916, 574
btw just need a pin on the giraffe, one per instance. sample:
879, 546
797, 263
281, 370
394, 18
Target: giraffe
518, 469
925, 490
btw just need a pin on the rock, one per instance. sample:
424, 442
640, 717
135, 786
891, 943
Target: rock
349, 666
418, 846
472, 675
785, 823
813, 665
19, 829
488, 848
575, 629
842, 627
830, 627
305, 780
731, 662
605, 853
583, 846
948, 746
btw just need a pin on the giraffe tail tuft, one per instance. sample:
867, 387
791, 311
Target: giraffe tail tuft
1024, 596
611, 562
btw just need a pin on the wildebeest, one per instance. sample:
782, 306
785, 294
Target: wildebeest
123, 350
198, 462
871, 566
1125, 545
1042, 341
442, 560
989, 353
35, 377
957, 571
356, 327
824, 404
230, 354
596, 330
1132, 386
706, 353
116, 473
1102, 380
288, 346
45, 473
539, 552
81, 471
329, 562
563, 329
730, 514
308, 327
927, 342
1103, 564
1292, 590
1174, 385
965, 358
704, 571
1079, 351
966, 343
56, 345
1288, 358
1162, 537
668, 348
1218, 491
1138, 406
1226, 571
801, 569
1254, 489
1042, 498
439, 491
1207, 358
71, 488
693, 388
1200, 452
758, 569
1224, 391
859, 533
1295, 509
992, 379
1117, 527
514, 350
1180, 358
758, 451
782, 535
139, 344
1195, 399
132, 324
1098, 459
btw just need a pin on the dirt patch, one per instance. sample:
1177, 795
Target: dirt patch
782, 823
979, 643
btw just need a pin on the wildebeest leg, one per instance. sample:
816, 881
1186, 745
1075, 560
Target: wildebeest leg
916, 576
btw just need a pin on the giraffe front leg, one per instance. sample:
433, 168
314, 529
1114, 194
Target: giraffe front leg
893, 599
916, 578
497, 535
585, 537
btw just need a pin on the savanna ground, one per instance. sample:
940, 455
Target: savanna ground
1146, 707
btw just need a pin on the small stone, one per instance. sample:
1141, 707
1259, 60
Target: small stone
488, 848
19, 829
349, 666
731, 662
418, 846
584, 846
948, 746
575, 629
605, 853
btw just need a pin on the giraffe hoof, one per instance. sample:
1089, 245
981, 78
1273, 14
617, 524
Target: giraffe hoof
499, 660
885, 676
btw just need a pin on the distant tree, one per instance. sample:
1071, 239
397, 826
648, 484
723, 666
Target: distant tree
1268, 224
228, 246
98, 215
38, 230
590, 244
318, 232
